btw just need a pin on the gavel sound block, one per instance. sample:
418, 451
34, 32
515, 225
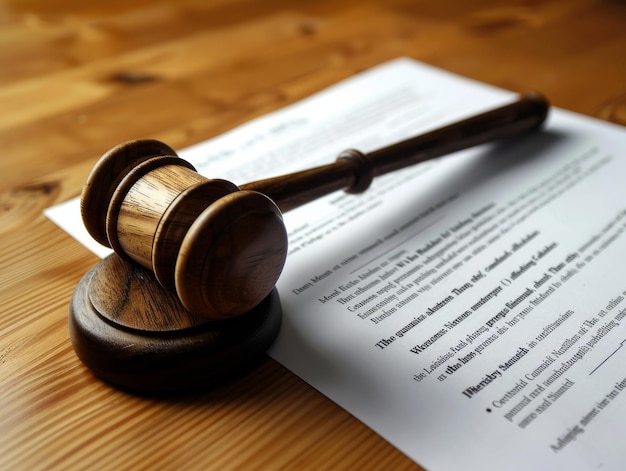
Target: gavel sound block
188, 299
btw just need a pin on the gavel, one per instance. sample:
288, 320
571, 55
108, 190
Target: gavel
190, 291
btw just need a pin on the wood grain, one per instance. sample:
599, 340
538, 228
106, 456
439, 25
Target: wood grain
77, 78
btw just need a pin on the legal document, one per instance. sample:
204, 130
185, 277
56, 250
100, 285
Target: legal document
469, 309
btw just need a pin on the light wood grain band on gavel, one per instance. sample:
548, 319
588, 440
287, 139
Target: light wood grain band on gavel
222, 248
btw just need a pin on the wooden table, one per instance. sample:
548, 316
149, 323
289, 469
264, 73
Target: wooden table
77, 78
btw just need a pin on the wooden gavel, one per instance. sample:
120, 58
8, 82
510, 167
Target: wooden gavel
221, 248
188, 299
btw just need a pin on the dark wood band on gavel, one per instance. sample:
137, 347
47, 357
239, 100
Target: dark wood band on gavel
222, 248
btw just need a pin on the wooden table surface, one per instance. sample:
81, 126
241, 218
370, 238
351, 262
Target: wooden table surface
77, 78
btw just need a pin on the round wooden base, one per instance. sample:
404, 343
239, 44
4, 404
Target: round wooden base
133, 333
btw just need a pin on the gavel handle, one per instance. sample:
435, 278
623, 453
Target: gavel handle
354, 171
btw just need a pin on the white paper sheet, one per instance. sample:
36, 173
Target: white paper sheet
470, 310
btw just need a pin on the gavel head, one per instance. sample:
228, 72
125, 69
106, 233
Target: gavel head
221, 250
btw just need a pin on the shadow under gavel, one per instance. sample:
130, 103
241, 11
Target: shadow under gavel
188, 299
